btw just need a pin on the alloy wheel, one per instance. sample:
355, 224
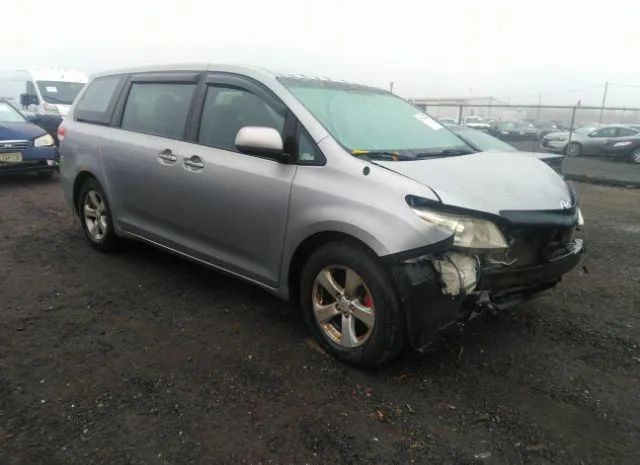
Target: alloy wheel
95, 215
343, 306
635, 155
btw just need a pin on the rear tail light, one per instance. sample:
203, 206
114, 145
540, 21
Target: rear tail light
61, 132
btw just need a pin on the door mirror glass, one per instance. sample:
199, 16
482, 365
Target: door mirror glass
261, 141
28, 99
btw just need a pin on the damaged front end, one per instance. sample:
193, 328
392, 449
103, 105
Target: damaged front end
489, 263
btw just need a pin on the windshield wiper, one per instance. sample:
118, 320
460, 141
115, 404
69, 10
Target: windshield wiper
445, 153
381, 155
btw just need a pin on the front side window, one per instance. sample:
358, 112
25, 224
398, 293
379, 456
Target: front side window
605, 132
8, 114
59, 92
158, 108
366, 119
227, 110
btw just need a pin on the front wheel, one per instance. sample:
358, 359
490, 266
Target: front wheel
574, 149
349, 303
635, 155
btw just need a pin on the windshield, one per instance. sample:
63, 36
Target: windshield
482, 140
62, 92
507, 125
8, 114
366, 119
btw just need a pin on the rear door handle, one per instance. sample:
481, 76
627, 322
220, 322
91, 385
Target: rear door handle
194, 162
167, 155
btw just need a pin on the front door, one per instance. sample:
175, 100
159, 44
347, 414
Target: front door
235, 205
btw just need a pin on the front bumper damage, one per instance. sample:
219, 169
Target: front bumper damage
442, 288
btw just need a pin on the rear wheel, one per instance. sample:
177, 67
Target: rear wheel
95, 217
574, 149
349, 304
635, 155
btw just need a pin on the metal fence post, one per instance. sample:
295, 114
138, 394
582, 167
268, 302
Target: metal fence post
460, 114
573, 120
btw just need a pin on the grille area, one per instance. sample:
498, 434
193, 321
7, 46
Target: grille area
13, 145
531, 246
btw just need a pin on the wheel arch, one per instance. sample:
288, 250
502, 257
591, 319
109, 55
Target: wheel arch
79, 180
309, 245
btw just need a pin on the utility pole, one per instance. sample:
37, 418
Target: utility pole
604, 100
391, 86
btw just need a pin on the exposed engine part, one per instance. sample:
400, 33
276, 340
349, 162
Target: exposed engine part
458, 272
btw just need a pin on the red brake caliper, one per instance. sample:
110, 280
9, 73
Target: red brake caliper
367, 300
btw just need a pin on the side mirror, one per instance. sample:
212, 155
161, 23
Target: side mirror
28, 99
262, 142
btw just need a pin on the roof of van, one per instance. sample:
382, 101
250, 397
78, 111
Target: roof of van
239, 69
56, 74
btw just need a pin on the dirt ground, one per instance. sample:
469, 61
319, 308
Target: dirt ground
144, 358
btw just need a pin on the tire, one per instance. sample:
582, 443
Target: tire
574, 149
373, 301
93, 208
634, 156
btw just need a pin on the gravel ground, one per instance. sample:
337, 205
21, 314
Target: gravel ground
141, 357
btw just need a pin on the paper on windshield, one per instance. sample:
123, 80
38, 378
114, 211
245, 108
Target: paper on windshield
424, 119
52, 89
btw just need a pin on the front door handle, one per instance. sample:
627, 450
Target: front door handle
194, 162
167, 155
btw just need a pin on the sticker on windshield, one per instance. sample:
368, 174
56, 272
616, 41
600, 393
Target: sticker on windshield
52, 89
433, 124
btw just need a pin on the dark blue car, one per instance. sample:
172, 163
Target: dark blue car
25, 147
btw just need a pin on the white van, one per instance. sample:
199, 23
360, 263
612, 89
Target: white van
41, 91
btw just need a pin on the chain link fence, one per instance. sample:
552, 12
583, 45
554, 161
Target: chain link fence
597, 144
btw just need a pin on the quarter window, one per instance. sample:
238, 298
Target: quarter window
226, 110
308, 153
97, 102
158, 108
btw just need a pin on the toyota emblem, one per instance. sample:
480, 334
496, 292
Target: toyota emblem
565, 204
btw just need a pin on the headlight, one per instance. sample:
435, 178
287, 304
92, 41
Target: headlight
468, 232
48, 108
43, 141
580, 218
623, 144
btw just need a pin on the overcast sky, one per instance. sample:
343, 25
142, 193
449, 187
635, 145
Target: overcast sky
441, 48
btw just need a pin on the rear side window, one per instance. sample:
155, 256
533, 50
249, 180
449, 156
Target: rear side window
158, 108
227, 110
625, 132
99, 99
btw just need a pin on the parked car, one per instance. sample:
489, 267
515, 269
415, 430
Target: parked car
476, 122
380, 223
514, 130
42, 95
24, 147
448, 120
625, 148
547, 127
588, 140
484, 142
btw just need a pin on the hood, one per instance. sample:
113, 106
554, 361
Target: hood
488, 181
558, 134
20, 131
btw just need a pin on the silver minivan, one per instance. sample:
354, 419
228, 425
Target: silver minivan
382, 225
